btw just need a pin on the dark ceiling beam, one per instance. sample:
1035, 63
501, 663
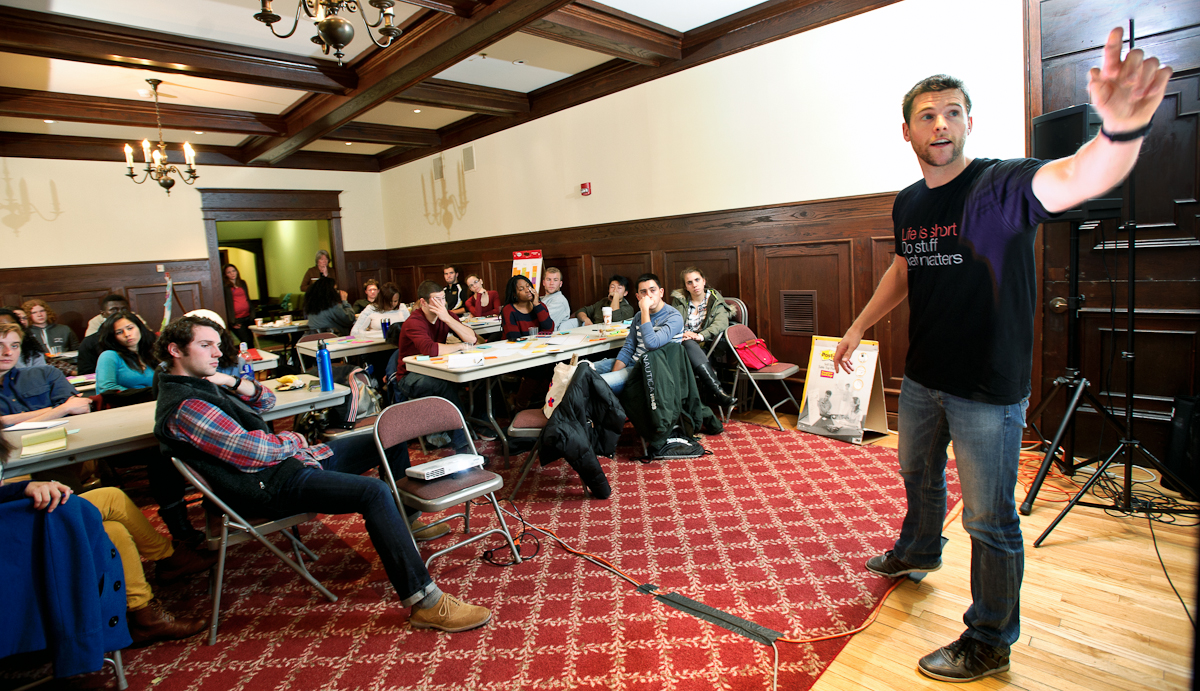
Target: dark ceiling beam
443, 41
757, 26
68, 38
22, 145
365, 132
602, 29
468, 97
462, 8
45, 105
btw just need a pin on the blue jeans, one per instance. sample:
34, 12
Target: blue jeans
615, 380
339, 488
987, 446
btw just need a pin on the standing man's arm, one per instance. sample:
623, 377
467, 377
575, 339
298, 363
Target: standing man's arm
1125, 93
891, 291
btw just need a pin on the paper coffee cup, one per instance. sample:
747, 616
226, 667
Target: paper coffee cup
607, 314
258, 321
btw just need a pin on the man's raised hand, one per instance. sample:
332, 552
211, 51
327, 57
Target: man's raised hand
1126, 92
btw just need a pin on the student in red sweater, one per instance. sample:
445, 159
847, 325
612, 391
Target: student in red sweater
483, 302
424, 333
522, 310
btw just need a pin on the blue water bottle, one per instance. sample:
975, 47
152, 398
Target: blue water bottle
246, 370
324, 367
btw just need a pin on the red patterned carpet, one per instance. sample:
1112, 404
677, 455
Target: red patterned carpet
774, 528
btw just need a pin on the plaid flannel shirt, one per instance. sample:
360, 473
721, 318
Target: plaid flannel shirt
210, 430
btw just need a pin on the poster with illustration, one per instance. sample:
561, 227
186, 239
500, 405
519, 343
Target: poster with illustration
844, 406
528, 263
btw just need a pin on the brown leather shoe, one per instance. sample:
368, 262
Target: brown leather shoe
451, 615
184, 562
424, 533
153, 623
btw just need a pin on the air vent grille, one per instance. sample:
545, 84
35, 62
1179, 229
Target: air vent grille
468, 159
437, 167
799, 311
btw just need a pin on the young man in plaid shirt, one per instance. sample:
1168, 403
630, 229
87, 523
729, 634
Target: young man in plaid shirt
213, 421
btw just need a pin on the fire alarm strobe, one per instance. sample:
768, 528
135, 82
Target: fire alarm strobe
585, 189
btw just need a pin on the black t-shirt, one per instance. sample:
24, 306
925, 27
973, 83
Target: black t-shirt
972, 279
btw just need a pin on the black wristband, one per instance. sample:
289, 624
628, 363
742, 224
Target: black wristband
1126, 136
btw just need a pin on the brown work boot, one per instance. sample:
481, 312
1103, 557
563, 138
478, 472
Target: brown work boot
451, 615
184, 562
153, 623
424, 533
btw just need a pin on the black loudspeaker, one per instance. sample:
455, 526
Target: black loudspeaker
1183, 448
1060, 134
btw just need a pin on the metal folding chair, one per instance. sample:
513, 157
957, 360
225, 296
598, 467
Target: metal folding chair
324, 336
739, 334
244, 530
399, 423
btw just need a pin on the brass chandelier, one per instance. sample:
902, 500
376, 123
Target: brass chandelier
335, 32
158, 168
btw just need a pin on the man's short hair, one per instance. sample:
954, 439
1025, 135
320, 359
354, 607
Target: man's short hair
426, 289
553, 270
938, 82
620, 279
115, 297
452, 267
6, 329
370, 282
181, 332
648, 277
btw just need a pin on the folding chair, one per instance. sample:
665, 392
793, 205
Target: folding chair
739, 334
528, 424
243, 531
741, 315
399, 423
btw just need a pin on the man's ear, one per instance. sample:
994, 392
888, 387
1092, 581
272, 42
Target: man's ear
904, 130
174, 350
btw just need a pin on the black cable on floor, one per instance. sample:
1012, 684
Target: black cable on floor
1150, 522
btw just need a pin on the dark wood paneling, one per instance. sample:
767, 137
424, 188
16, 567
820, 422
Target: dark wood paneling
405, 278
90, 282
575, 281
1167, 183
604, 266
497, 274
149, 300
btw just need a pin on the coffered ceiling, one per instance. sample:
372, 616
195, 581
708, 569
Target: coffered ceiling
72, 72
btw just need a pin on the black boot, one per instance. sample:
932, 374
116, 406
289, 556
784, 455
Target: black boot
707, 376
181, 529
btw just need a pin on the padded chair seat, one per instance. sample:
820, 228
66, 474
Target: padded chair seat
532, 419
779, 370
476, 479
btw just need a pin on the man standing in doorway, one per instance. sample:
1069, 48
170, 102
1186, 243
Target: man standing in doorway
964, 258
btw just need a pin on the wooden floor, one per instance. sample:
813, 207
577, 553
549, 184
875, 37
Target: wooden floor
1097, 611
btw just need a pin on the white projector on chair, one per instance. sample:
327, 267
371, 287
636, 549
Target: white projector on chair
441, 467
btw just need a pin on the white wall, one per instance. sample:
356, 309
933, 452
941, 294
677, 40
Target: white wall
813, 116
104, 218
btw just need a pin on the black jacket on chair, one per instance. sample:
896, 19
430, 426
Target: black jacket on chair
661, 394
585, 425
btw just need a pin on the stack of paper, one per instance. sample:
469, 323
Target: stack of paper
44, 442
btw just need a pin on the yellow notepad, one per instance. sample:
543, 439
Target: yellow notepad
44, 442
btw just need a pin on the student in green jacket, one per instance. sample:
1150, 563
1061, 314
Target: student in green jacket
705, 317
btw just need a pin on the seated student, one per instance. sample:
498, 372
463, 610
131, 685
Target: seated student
109, 305
483, 302
55, 338
455, 292
126, 354
425, 334
371, 289
554, 300
373, 316
32, 393
213, 421
32, 354
239, 311
326, 308
705, 317
135, 539
618, 288
656, 325
523, 310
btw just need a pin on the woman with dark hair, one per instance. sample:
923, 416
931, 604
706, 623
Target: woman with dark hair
239, 312
327, 309
483, 302
32, 354
522, 310
322, 269
387, 307
126, 354
705, 318
55, 338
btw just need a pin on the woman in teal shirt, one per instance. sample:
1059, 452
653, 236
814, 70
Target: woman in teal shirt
126, 354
